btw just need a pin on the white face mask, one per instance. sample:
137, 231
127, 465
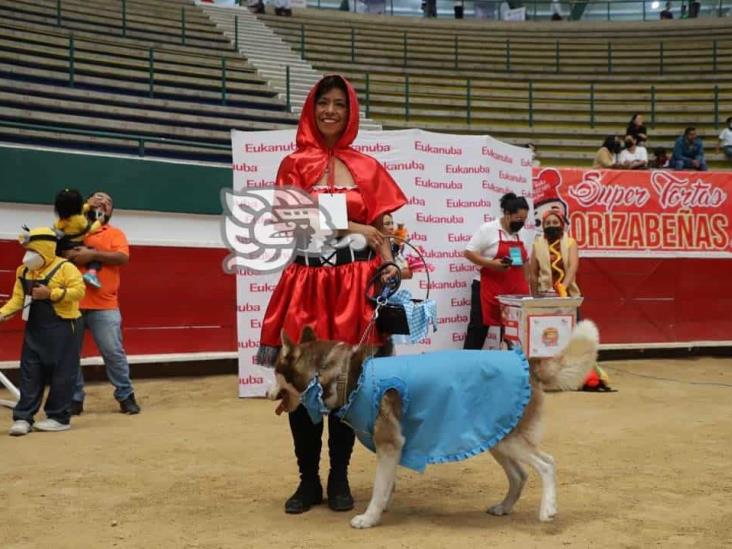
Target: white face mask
33, 260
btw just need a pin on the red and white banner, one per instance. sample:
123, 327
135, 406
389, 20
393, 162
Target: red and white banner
614, 213
453, 184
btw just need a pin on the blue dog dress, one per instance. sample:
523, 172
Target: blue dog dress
455, 404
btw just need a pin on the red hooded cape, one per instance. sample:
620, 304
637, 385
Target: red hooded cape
330, 300
305, 167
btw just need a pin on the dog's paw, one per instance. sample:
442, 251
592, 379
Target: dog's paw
498, 510
547, 514
363, 521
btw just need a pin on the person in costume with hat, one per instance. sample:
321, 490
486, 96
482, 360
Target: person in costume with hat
76, 220
553, 270
327, 291
47, 291
554, 259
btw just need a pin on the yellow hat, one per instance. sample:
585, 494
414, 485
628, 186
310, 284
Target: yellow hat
42, 240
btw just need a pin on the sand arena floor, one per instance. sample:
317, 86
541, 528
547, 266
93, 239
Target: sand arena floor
648, 466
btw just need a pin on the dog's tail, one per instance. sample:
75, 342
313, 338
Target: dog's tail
567, 370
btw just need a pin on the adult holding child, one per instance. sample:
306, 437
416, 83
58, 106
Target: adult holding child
327, 291
100, 307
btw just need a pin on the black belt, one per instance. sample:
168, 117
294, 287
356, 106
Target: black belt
341, 256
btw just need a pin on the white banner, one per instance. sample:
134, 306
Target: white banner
453, 184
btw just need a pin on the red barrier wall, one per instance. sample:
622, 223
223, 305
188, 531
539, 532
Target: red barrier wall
173, 300
178, 300
658, 300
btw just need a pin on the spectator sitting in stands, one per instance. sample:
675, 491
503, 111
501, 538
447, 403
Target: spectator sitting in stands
282, 7
256, 6
694, 8
633, 156
484, 9
429, 7
689, 152
637, 129
556, 9
667, 13
606, 156
660, 161
725, 140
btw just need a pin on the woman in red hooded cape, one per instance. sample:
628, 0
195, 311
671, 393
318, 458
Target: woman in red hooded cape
329, 295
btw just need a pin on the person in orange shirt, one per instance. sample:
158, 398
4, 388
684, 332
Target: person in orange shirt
100, 308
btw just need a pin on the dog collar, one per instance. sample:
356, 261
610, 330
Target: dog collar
342, 384
312, 399
342, 388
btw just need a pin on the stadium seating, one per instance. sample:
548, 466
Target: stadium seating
577, 95
183, 111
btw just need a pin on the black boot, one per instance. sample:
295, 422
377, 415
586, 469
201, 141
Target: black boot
340, 444
307, 438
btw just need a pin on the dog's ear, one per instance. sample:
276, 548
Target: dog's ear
308, 334
286, 343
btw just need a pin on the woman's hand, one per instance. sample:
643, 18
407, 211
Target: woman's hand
500, 265
373, 236
392, 271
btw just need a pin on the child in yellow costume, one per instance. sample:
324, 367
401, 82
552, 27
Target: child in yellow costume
73, 225
47, 290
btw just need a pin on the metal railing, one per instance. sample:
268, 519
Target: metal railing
465, 101
358, 37
121, 136
609, 10
124, 28
74, 42
150, 69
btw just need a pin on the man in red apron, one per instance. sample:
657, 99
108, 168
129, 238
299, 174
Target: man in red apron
498, 250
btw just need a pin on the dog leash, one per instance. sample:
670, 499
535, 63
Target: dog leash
391, 286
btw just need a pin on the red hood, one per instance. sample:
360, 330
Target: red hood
308, 134
305, 167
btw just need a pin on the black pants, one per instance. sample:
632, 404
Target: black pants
477, 331
307, 437
50, 357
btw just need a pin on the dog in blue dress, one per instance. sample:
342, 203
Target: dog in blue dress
435, 407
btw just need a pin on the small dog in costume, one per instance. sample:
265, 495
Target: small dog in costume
435, 407
75, 220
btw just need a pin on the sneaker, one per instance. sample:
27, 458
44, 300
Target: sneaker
19, 428
77, 407
92, 280
129, 405
51, 426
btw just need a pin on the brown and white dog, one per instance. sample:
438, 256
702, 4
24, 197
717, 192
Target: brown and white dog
339, 365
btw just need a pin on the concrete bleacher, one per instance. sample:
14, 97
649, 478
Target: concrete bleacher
183, 113
573, 107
